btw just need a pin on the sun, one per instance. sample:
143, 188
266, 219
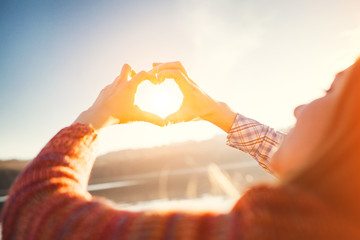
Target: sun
162, 99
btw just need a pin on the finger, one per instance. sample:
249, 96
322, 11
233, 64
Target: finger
140, 77
156, 64
155, 71
124, 74
176, 117
179, 117
150, 117
178, 76
172, 65
132, 73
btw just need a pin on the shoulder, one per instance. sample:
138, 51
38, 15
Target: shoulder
277, 200
283, 212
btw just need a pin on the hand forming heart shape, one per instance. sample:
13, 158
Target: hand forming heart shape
195, 105
116, 103
162, 99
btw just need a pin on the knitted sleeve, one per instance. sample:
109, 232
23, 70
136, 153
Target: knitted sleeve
49, 201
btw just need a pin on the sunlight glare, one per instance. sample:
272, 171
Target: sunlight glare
162, 99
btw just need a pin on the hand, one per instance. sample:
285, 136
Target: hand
196, 105
115, 103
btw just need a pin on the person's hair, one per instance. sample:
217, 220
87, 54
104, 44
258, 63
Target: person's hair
335, 170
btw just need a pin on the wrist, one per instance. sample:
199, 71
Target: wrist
97, 119
222, 116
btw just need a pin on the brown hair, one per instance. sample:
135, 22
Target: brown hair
335, 172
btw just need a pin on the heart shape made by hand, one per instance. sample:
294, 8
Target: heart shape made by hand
162, 99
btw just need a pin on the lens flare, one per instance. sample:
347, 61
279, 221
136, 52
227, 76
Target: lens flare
162, 99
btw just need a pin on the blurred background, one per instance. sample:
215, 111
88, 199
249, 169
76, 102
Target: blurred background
261, 57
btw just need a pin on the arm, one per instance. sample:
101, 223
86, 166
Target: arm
196, 105
49, 199
245, 134
256, 139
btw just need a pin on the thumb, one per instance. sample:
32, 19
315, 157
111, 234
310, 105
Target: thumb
176, 117
149, 117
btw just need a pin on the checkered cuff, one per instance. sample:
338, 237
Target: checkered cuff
254, 138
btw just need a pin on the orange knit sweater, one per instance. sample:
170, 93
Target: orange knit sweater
49, 201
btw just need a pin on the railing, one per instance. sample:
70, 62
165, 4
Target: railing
136, 178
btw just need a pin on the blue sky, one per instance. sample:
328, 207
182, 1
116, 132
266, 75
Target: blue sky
261, 57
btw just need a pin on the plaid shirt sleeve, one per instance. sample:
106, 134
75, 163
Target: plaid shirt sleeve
256, 139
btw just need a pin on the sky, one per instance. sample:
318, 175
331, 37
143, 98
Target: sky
261, 57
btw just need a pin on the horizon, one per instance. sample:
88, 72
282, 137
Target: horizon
165, 145
261, 58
